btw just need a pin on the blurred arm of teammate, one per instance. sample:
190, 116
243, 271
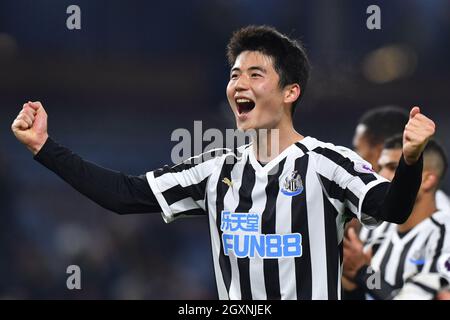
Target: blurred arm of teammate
356, 269
394, 202
110, 189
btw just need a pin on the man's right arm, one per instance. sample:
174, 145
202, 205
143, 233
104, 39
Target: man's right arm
112, 190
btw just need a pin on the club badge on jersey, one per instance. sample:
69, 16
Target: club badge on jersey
242, 237
292, 185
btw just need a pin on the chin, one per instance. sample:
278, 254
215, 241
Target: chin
245, 126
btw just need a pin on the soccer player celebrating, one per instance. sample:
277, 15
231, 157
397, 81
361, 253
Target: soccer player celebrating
276, 223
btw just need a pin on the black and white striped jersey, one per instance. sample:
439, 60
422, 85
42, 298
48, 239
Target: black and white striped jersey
373, 238
425, 249
276, 230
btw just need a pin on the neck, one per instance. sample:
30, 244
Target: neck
269, 143
423, 209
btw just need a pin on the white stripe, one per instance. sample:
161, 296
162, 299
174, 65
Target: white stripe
184, 205
201, 204
256, 264
166, 213
189, 176
316, 227
334, 172
215, 239
231, 201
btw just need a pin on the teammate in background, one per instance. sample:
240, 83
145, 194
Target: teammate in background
374, 127
276, 223
415, 250
372, 130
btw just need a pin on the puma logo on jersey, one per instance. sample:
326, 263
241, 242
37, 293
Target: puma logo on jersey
228, 182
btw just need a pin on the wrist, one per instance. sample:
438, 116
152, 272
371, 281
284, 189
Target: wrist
410, 160
36, 147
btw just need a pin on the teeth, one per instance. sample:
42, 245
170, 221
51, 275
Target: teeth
242, 100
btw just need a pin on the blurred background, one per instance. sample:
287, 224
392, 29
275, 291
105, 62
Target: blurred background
137, 70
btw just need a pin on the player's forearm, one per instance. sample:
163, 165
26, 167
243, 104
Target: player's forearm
110, 189
394, 202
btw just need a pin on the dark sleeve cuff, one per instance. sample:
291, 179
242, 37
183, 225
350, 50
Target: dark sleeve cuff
46, 151
415, 168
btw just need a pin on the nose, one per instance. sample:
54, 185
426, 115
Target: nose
241, 83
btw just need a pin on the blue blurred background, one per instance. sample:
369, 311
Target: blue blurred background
136, 71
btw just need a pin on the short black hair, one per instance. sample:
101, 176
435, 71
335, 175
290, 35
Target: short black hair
434, 153
394, 142
289, 57
384, 122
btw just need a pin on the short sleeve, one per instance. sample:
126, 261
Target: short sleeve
348, 178
180, 190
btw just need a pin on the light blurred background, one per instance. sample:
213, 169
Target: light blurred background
136, 71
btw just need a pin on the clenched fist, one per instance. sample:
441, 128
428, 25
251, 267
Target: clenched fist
30, 126
418, 131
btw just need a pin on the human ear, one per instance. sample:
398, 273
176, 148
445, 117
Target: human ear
291, 93
429, 181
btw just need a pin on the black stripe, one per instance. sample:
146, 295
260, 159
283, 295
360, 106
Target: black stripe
210, 237
401, 264
245, 203
385, 229
385, 260
191, 162
334, 191
302, 147
177, 192
348, 215
345, 163
192, 212
332, 249
221, 190
423, 287
199, 159
303, 271
439, 245
369, 236
352, 198
268, 226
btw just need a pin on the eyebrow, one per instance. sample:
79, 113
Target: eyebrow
259, 68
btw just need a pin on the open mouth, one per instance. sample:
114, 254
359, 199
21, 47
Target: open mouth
244, 105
